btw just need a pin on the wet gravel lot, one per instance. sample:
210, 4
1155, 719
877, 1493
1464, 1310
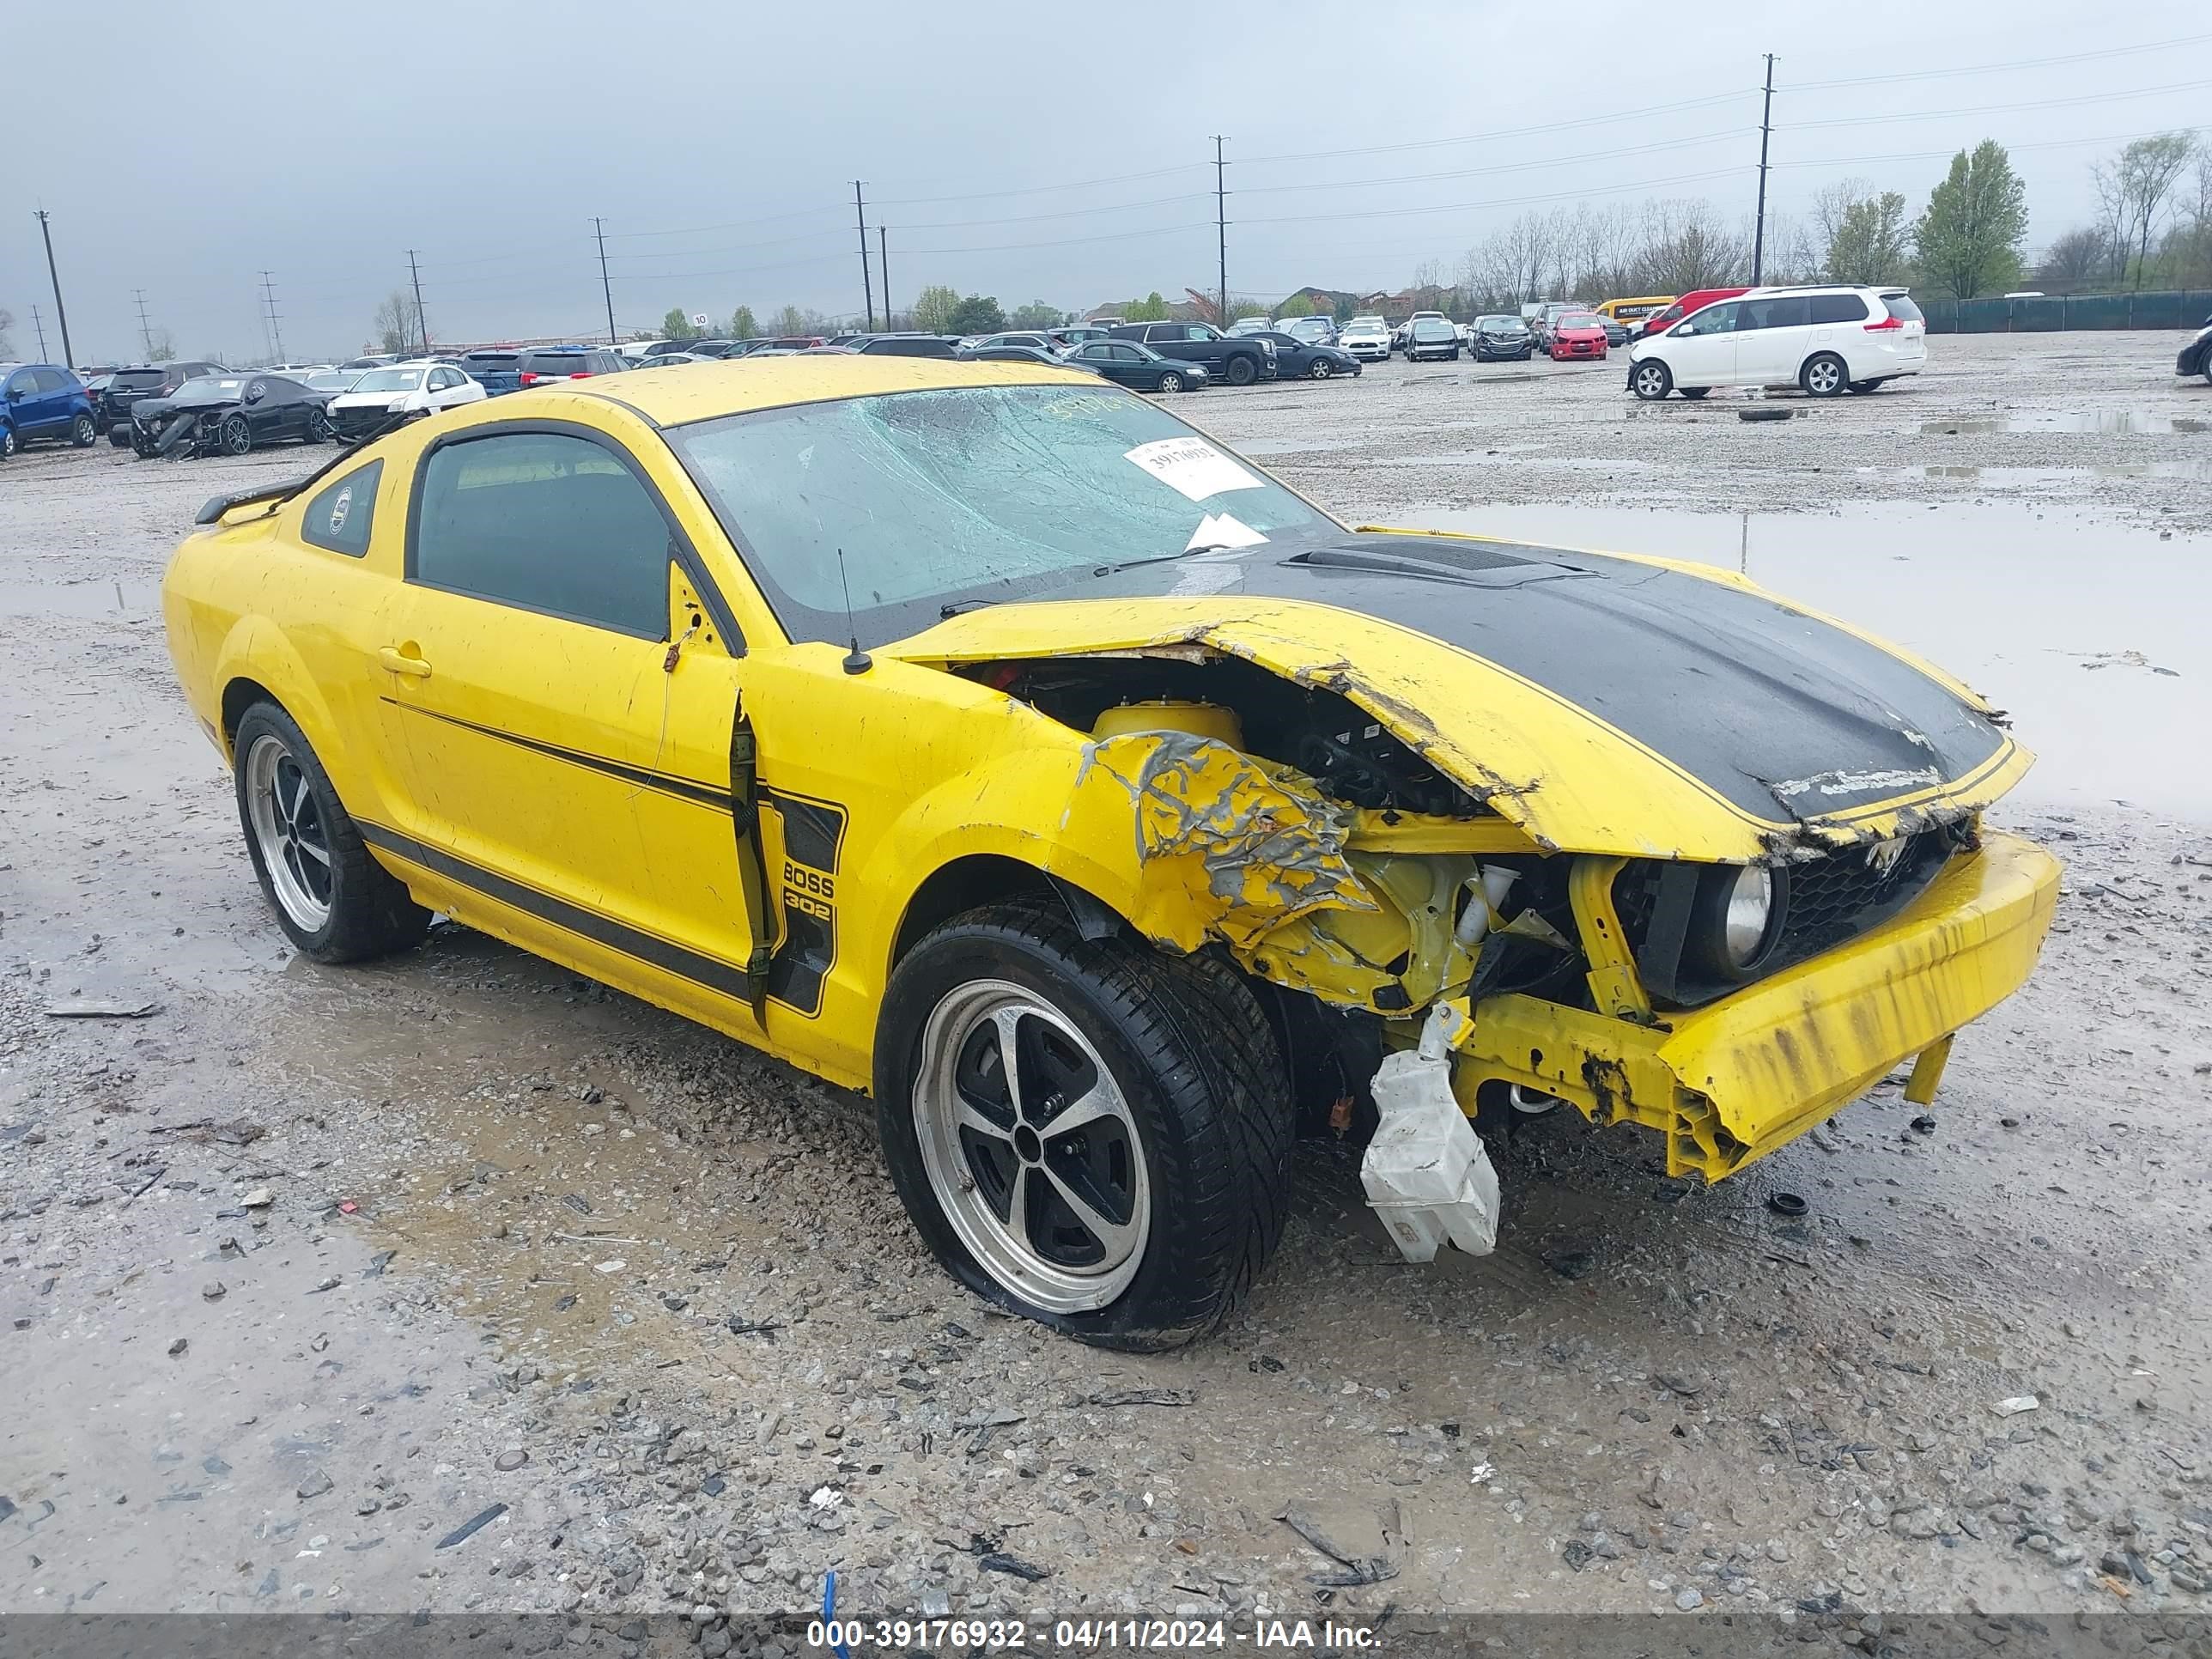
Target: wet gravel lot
304, 1270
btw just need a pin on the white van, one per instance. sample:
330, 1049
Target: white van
1826, 340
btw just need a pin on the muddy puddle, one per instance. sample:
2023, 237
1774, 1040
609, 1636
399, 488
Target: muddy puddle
2090, 635
2110, 423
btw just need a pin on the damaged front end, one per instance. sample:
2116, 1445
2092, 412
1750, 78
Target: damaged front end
161, 428
1603, 930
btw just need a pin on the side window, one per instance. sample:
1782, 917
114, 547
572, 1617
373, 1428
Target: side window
1785, 310
1718, 319
52, 379
341, 518
21, 383
1126, 355
545, 521
1838, 309
1198, 331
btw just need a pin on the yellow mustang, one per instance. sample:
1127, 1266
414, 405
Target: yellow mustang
985, 738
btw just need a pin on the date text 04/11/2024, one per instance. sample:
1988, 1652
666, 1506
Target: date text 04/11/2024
1011, 1635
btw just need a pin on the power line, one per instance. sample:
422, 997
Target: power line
1706, 102
2000, 109
2069, 59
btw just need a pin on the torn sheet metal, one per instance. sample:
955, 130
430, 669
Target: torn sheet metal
1269, 844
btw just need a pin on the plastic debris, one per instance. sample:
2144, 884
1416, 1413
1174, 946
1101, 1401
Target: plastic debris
473, 1524
826, 1498
1426, 1174
2017, 1404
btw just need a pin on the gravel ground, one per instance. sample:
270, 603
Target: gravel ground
304, 1269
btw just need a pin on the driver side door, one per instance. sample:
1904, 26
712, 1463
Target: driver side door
1701, 350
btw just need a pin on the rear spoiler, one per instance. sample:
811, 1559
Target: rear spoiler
218, 505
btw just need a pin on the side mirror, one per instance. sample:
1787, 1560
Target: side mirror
14, 394
1680, 329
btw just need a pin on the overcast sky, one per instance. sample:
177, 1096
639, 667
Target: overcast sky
1027, 151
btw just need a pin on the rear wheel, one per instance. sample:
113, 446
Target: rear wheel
119, 433
333, 901
1170, 381
1241, 370
1651, 381
236, 434
1088, 1132
1824, 375
83, 430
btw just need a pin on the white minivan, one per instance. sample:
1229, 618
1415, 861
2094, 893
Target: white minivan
1826, 339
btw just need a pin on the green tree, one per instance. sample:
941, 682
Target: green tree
1870, 243
933, 307
742, 326
678, 326
2135, 188
978, 313
1298, 305
1969, 237
1036, 315
1150, 309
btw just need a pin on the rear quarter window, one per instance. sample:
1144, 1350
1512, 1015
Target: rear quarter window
340, 518
1838, 309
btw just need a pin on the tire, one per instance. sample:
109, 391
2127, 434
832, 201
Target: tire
319, 430
84, 431
1694, 392
1320, 369
1650, 379
8, 444
1824, 375
1241, 371
119, 435
334, 902
1168, 382
1863, 387
1196, 1159
236, 434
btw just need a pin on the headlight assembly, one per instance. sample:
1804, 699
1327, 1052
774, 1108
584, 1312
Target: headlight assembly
1734, 921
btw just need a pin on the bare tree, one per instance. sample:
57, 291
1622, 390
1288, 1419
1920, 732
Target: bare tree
161, 346
396, 327
7, 322
2074, 261
2134, 187
1686, 246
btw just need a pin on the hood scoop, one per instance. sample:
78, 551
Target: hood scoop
1466, 564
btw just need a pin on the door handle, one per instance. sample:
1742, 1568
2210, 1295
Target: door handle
399, 662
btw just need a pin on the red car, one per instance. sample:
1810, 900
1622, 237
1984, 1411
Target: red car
1695, 300
1577, 334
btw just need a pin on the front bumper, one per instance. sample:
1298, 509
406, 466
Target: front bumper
1731, 1081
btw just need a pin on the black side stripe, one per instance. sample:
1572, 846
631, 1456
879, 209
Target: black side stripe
726, 977
700, 795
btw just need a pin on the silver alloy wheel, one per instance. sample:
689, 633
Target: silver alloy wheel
237, 435
7, 440
1651, 380
288, 827
1171, 382
1031, 1147
1320, 371
1823, 376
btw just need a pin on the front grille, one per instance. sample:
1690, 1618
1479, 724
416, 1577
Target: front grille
352, 423
1825, 902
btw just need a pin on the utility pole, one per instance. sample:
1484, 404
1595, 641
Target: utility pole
422, 323
41, 328
1221, 227
867, 293
1766, 129
883, 269
606, 286
269, 304
145, 329
61, 312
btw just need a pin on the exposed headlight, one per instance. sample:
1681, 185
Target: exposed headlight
1746, 920
398, 405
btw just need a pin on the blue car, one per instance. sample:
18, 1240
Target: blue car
41, 402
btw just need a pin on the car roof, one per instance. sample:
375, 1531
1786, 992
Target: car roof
720, 387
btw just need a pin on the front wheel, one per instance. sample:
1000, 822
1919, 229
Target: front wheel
1088, 1132
333, 901
83, 430
319, 430
1320, 369
8, 445
1824, 375
1170, 381
1241, 370
119, 435
236, 434
1651, 381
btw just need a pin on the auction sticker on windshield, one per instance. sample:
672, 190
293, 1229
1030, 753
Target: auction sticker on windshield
1193, 466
